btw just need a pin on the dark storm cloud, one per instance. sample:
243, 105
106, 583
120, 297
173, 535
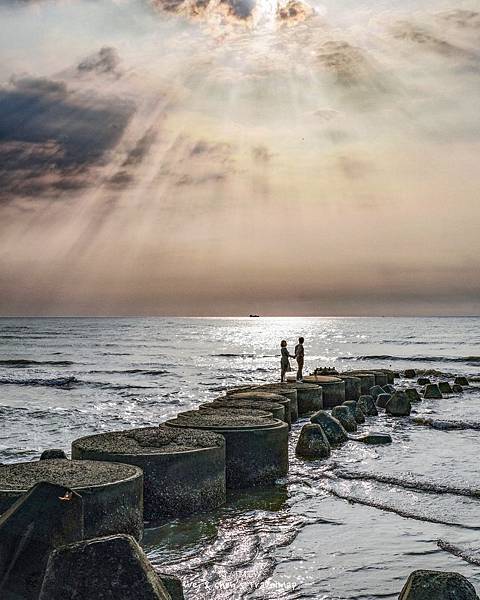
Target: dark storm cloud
105, 61
51, 137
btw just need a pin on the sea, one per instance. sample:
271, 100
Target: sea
350, 527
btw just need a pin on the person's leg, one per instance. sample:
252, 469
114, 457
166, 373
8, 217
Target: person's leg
300, 370
282, 374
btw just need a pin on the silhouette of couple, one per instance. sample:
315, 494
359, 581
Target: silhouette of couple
298, 356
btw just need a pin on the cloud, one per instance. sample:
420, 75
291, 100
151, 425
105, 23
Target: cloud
294, 12
261, 154
51, 137
420, 36
105, 61
465, 19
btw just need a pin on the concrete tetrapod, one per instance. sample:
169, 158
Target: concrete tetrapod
46, 517
255, 395
233, 403
357, 412
312, 442
437, 585
343, 414
333, 429
367, 380
309, 397
112, 493
256, 446
432, 391
367, 404
184, 470
106, 568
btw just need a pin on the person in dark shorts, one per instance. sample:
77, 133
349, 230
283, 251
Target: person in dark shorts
284, 362
299, 356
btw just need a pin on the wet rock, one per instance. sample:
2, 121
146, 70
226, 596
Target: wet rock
396, 374
357, 412
398, 405
413, 395
313, 442
173, 585
389, 388
382, 400
372, 437
423, 381
53, 453
367, 405
375, 391
46, 517
432, 391
113, 567
445, 387
333, 429
410, 374
457, 389
437, 585
463, 381
343, 414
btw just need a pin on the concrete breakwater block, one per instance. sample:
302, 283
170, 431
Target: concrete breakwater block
463, 381
375, 391
309, 397
255, 395
366, 403
409, 373
382, 400
46, 517
441, 585
373, 438
423, 381
398, 405
344, 415
108, 568
333, 390
277, 411
183, 470
432, 391
353, 387
357, 413
284, 390
457, 389
52, 453
112, 493
333, 429
256, 450
413, 395
312, 442
445, 387
367, 380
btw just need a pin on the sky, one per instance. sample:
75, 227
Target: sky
228, 157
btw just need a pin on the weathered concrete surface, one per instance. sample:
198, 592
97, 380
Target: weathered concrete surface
357, 412
382, 400
367, 404
312, 442
46, 517
367, 380
432, 391
398, 405
343, 414
263, 396
423, 381
353, 387
112, 493
333, 429
309, 397
173, 585
457, 388
256, 447
391, 389
372, 437
284, 390
375, 391
277, 411
333, 390
445, 387
463, 381
53, 453
108, 568
410, 374
184, 470
437, 585
413, 395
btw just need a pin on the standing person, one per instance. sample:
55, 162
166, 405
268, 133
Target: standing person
299, 356
284, 362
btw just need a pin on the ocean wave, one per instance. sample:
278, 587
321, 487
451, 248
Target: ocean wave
472, 360
132, 372
26, 362
233, 355
467, 555
63, 382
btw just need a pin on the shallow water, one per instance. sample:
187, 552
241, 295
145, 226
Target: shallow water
298, 539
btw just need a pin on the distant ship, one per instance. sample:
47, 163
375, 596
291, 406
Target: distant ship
254, 315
